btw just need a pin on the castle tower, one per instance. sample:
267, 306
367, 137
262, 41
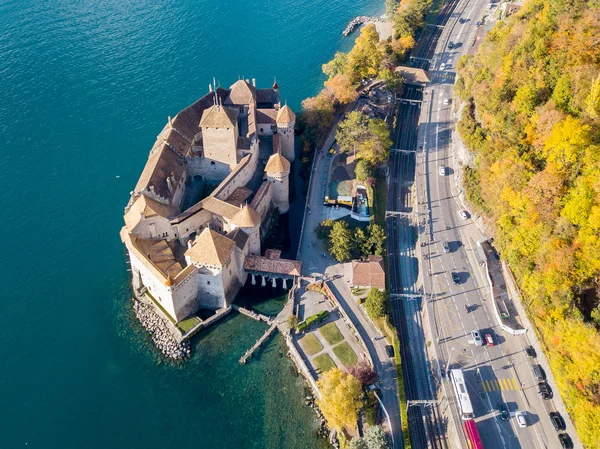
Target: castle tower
286, 120
220, 134
248, 220
278, 172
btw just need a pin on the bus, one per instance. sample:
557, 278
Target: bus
462, 395
472, 435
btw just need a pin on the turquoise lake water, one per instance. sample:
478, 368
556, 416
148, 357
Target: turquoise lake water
85, 87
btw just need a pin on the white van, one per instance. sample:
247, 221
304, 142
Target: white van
442, 170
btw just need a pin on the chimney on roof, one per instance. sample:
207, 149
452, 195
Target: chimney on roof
169, 120
254, 82
210, 87
275, 85
169, 184
248, 80
189, 243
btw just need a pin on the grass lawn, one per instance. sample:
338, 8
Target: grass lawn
346, 354
311, 344
323, 363
187, 324
331, 333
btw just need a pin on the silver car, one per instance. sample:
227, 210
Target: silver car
521, 418
477, 338
446, 247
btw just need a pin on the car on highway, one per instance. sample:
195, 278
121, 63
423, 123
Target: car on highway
503, 410
521, 418
477, 338
530, 352
450, 45
556, 421
455, 277
489, 339
463, 214
446, 247
478, 23
442, 170
538, 373
565, 441
462, 20
447, 101
544, 390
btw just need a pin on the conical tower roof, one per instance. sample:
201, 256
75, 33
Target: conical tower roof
277, 164
211, 248
286, 115
246, 218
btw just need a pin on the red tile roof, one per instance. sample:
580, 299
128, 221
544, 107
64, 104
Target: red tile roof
368, 273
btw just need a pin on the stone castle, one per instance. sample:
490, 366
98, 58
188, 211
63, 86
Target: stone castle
187, 250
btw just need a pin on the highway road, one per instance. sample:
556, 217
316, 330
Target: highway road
434, 315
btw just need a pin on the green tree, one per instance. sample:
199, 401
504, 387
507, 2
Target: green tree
376, 438
340, 398
562, 94
393, 80
592, 102
337, 66
324, 228
352, 132
367, 139
292, 321
376, 240
363, 170
340, 241
376, 303
359, 242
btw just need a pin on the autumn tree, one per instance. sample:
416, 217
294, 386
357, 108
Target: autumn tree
318, 112
363, 170
340, 398
324, 228
368, 139
363, 372
342, 88
340, 241
364, 60
592, 102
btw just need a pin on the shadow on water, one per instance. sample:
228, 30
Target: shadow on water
266, 300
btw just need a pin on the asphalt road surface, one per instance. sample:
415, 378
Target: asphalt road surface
494, 374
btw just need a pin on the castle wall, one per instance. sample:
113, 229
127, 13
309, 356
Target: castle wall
220, 144
264, 129
287, 142
209, 169
239, 177
280, 186
211, 292
262, 200
194, 223
154, 227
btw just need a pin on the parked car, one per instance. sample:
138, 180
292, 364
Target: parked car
565, 441
557, 421
544, 390
489, 340
455, 278
521, 418
462, 20
446, 247
530, 352
538, 373
503, 410
463, 214
450, 45
443, 66
477, 338
447, 101
442, 170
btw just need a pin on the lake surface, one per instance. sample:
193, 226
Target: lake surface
85, 87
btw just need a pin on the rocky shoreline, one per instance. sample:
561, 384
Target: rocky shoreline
359, 21
161, 336
323, 431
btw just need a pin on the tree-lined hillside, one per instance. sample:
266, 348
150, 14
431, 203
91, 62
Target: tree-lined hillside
532, 119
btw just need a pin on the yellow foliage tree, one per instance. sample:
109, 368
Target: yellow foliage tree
340, 398
342, 88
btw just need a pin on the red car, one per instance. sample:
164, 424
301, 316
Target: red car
489, 339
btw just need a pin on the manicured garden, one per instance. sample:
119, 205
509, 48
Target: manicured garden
345, 354
311, 344
323, 363
331, 333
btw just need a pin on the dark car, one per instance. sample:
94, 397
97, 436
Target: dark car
389, 349
544, 390
530, 352
565, 441
503, 410
455, 277
557, 421
450, 45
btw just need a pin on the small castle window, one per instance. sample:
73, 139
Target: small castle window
212, 162
207, 282
261, 130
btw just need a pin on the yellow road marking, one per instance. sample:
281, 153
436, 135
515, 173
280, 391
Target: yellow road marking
515, 384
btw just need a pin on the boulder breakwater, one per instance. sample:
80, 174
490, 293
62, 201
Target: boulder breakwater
161, 336
360, 20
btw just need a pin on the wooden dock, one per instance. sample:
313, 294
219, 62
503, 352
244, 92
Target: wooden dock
260, 341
